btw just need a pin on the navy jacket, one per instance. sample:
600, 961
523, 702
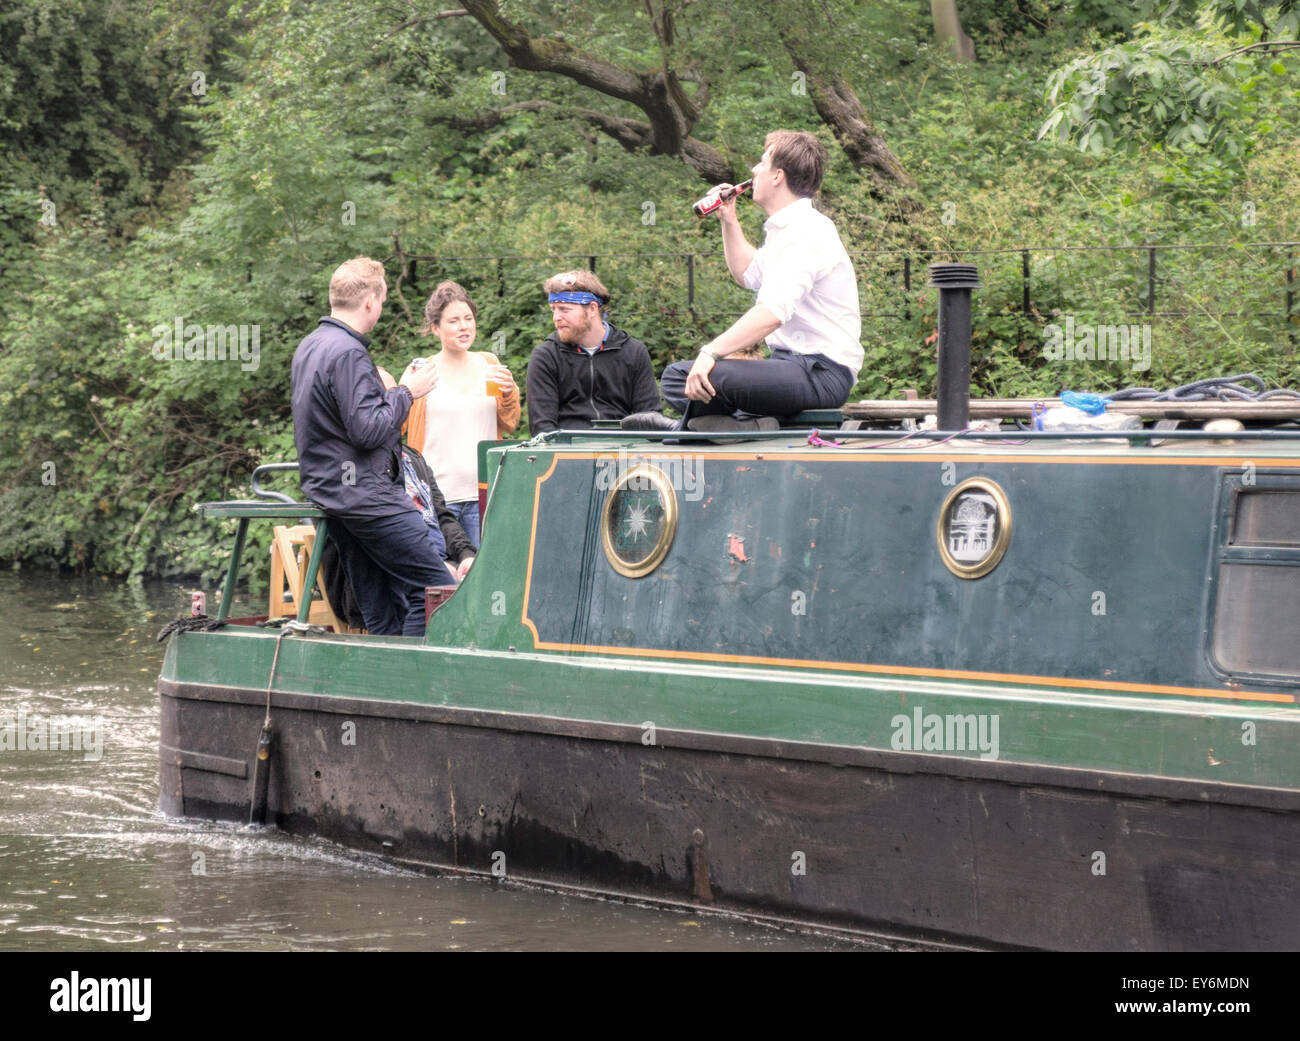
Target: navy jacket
569, 388
347, 428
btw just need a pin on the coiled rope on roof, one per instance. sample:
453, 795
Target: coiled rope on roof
1219, 388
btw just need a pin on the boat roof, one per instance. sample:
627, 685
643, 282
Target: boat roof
1227, 448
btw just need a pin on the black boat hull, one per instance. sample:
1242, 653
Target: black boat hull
927, 847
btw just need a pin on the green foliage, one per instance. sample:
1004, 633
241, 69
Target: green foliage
108, 444
326, 134
1281, 21
91, 96
1185, 86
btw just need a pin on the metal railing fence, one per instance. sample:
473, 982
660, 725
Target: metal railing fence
1254, 281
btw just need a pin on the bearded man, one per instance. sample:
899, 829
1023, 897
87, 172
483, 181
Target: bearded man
587, 369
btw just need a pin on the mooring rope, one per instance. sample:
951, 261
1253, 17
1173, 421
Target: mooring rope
199, 623
266, 738
270, 680
1219, 388
287, 625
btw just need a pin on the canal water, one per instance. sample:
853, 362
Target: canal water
87, 863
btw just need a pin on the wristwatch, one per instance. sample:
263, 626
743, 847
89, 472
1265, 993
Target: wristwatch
708, 353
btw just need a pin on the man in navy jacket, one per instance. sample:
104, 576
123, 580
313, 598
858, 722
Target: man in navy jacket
348, 432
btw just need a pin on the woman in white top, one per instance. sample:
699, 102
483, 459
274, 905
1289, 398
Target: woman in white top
475, 400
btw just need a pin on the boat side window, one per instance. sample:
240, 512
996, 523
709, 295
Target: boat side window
1256, 580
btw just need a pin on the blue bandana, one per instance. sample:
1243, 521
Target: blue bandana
580, 296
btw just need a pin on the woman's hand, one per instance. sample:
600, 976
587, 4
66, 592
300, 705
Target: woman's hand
462, 569
502, 377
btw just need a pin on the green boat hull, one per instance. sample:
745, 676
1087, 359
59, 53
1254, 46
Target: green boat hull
804, 710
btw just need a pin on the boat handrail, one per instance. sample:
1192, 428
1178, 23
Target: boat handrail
270, 506
267, 468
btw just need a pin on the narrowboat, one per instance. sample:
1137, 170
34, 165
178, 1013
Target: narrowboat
1004, 688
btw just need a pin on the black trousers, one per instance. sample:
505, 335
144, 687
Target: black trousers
782, 385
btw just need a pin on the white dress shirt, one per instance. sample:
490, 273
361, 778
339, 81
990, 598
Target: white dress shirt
803, 275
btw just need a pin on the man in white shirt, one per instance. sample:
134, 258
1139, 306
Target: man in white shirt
806, 306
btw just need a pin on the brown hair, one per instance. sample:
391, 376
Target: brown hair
354, 280
577, 282
445, 294
803, 158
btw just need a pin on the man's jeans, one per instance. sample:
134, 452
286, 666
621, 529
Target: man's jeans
389, 561
782, 385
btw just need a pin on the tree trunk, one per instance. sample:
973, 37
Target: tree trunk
839, 107
658, 93
672, 114
948, 30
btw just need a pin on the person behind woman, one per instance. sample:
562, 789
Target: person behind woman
475, 400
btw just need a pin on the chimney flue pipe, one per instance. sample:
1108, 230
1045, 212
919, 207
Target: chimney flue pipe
954, 282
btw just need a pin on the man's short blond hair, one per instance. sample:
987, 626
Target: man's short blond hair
354, 280
577, 282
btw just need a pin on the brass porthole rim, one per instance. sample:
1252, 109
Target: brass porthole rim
1004, 529
667, 495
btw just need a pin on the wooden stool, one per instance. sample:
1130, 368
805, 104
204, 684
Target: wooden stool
290, 550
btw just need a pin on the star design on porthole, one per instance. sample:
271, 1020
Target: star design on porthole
637, 521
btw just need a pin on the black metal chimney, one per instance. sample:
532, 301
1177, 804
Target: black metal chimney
954, 282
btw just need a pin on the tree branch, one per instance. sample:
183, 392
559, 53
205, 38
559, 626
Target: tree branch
424, 18
658, 93
632, 134
107, 436
490, 117
1267, 47
550, 55
401, 276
